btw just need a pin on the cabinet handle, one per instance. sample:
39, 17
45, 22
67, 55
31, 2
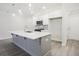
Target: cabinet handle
11, 33
25, 38
16, 35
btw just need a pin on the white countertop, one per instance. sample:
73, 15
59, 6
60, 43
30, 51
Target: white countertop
32, 35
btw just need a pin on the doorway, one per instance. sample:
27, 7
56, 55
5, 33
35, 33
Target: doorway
55, 27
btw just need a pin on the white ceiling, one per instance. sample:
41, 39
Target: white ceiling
36, 8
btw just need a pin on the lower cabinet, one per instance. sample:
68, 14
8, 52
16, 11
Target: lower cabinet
18, 40
45, 44
33, 47
37, 47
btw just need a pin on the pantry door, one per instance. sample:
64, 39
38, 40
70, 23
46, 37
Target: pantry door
55, 28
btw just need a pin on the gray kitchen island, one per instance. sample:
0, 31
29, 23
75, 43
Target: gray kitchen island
35, 43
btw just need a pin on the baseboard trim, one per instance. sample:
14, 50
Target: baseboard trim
56, 41
74, 39
5, 38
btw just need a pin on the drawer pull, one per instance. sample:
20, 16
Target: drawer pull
25, 38
16, 35
11, 33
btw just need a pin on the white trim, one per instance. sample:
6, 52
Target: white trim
73, 39
5, 38
57, 40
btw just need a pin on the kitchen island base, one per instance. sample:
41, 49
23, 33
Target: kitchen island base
35, 47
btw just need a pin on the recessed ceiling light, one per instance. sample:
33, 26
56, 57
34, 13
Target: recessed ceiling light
13, 14
44, 7
30, 4
20, 11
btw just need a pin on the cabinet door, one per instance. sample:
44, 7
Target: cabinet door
45, 44
14, 36
18, 40
33, 46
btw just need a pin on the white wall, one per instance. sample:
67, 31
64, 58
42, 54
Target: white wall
73, 19
74, 27
65, 25
70, 22
11, 23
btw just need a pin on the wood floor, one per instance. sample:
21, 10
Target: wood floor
71, 49
7, 48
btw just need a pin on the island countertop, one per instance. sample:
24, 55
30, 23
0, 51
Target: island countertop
33, 35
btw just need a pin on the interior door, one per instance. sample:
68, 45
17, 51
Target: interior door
55, 28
